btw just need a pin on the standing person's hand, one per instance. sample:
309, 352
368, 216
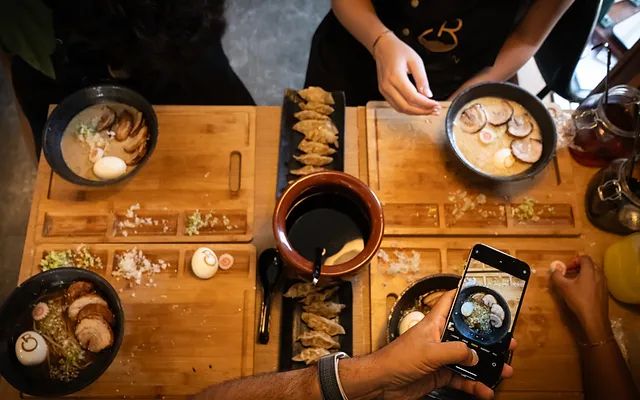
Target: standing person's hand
395, 60
586, 295
415, 362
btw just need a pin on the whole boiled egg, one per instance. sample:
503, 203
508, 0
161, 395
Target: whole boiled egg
409, 321
503, 158
204, 263
110, 167
31, 348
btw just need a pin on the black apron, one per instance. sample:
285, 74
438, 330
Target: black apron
455, 38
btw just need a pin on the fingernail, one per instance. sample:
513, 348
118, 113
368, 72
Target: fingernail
475, 359
428, 92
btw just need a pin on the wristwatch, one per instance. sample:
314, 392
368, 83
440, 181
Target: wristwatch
330, 386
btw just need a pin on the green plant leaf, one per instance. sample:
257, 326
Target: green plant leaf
26, 30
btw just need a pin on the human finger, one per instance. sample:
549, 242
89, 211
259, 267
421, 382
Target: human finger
558, 278
475, 388
419, 74
507, 371
446, 353
410, 94
443, 305
513, 344
398, 102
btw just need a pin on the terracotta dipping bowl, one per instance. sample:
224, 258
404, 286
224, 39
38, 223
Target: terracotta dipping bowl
327, 183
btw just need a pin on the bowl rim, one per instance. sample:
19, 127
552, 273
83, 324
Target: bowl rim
440, 275
83, 274
372, 206
79, 180
531, 171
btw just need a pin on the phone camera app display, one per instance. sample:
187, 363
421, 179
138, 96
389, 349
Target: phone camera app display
484, 309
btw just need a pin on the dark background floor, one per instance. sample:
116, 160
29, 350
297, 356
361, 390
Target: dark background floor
268, 45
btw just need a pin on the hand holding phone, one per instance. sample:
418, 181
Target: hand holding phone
485, 310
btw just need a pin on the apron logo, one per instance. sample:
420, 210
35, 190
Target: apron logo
437, 44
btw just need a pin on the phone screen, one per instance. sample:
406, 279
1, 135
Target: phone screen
485, 310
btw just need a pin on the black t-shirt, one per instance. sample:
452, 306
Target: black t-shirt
455, 38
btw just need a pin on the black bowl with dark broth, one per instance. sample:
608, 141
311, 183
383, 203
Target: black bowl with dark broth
77, 102
15, 315
329, 220
534, 107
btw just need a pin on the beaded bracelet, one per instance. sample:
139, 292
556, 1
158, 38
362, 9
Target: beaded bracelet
602, 342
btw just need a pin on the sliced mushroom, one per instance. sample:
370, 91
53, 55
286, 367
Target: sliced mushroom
495, 321
138, 155
123, 126
527, 150
473, 119
137, 140
500, 113
138, 123
497, 310
107, 118
519, 126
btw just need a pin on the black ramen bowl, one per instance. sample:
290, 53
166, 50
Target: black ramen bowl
15, 315
408, 298
507, 91
78, 101
487, 338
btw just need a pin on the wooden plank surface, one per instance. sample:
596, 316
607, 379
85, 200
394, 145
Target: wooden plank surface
268, 128
182, 333
423, 187
265, 356
202, 152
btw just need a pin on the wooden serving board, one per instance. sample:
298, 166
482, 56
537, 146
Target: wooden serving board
204, 160
185, 333
545, 342
422, 185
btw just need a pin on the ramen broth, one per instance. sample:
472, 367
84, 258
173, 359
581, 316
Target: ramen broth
76, 152
326, 220
481, 155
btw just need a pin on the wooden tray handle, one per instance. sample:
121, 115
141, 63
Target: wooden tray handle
235, 172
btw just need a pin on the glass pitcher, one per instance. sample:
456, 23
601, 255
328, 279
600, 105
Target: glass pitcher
604, 132
613, 201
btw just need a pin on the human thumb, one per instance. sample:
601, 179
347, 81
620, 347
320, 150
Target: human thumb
558, 279
452, 353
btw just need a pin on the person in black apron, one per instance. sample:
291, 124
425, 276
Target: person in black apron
169, 52
368, 48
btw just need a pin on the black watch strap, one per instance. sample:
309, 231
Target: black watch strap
330, 385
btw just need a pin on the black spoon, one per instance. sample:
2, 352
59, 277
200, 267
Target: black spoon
269, 270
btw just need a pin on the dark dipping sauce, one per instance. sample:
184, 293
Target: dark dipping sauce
326, 220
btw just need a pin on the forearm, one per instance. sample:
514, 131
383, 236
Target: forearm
604, 372
362, 379
295, 385
360, 19
523, 43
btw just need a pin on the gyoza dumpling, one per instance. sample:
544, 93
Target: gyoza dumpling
317, 94
306, 170
327, 309
310, 355
310, 114
301, 289
322, 324
313, 159
317, 107
317, 297
309, 125
309, 147
318, 339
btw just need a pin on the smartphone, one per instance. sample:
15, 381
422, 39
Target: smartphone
485, 310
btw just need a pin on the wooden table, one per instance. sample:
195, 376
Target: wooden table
522, 386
